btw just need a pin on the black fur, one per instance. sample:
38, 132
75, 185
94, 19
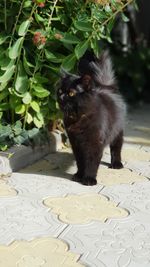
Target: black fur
94, 115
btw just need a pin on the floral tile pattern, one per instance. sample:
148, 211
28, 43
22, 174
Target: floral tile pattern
48, 220
43, 252
84, 208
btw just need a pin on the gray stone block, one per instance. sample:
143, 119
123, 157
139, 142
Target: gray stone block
22, 156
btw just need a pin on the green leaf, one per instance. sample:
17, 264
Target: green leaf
40, 92
49, 55
110, 25
38, 18
81, 48
124, 17
3, 39
3, 95
95, 46
83, 26
29, 118
15, 49
18, 124
35, 106
17, 128
38, 123
7, 64
3, 59
27, 98
14, 100
27, 65
7, 75
68, 47
40, 116
33, 133
52, 57
40, 79
4, 106
69, 62
70, 39
27, 4
20, 139
23, 28
5, 131
108, 9
3, 86
3, 147
22, 82
20, 109
135, 4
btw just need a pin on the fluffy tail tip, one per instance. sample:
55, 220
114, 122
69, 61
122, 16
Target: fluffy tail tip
103, 70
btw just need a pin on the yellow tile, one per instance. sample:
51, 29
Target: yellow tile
135, 155
6, 190
137, 140
123, 176
42, 252
84, 208
39, 167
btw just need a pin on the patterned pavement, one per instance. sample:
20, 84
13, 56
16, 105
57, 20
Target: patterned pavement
47, 220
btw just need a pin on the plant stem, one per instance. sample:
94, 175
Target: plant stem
51, 15
12, 117
111, 17
15, 25
27, 106
18, 59
5, 14
116, 12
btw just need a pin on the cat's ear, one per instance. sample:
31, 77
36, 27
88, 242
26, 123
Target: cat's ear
86, 82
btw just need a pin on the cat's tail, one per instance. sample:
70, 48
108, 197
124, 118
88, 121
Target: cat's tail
102, 70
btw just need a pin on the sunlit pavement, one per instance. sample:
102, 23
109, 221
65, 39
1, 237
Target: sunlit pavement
47, 220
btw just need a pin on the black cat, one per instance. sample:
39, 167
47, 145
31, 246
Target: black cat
94, 115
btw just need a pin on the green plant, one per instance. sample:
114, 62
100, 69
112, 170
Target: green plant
37, 38
16, 135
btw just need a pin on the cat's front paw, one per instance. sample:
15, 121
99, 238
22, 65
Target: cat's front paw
84, 180
88, 181
76, 177
116, 165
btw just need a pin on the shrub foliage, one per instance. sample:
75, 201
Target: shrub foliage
36, 39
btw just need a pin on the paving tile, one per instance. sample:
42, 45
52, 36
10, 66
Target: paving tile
146, 148
135, 198
6, 190
109, 177
139, 167
135, 154
41, 186
84, 208
118, 242
88, 238
44, 252
26, 218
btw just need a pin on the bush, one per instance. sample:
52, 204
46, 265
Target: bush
37, 38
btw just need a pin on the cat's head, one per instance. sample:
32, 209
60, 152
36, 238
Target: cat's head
72, 89
95, 75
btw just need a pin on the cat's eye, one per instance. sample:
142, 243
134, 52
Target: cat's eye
72, 93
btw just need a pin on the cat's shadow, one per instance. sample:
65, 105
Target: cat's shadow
58, 164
